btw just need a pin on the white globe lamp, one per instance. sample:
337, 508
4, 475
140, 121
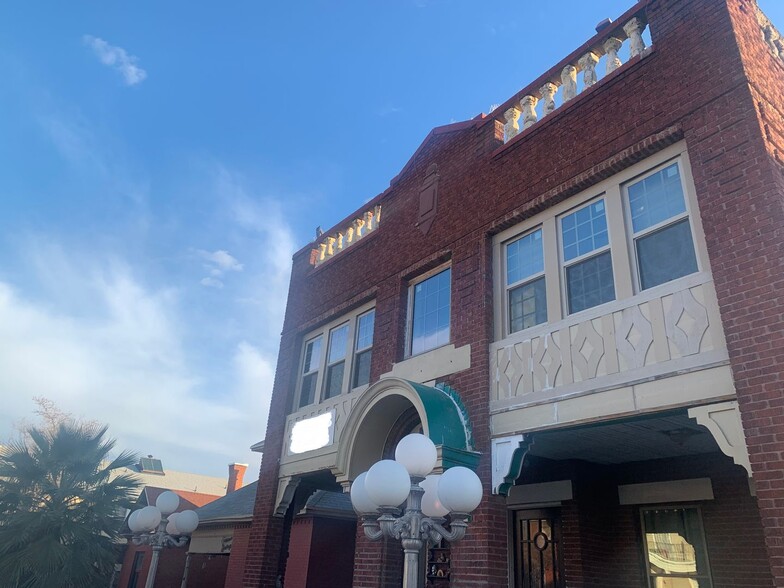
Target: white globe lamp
387, 483
359, 496
167, 502
149, 518
133, 522
460, 490
417, 453
187, 521
431, 505
171, 526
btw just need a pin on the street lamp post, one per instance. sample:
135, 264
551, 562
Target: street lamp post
377, 494
158, 527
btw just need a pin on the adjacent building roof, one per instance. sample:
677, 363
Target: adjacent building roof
188, 500
185, 481
234, 507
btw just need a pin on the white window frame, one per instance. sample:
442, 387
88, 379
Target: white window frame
410, 309
301, 374
527, 280
356, 351
324, 332
632, 237
344, 359
565, 265
623, 254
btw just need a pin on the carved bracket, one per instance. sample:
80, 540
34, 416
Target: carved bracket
287, 486
508, 455
723, 421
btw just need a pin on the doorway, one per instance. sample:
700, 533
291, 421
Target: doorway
537, 549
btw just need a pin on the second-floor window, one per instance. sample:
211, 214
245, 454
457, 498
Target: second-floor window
336, 358
363, 349
660, 225
310, 371
587, 260
525, 288
634, 231
429, 312
336, 361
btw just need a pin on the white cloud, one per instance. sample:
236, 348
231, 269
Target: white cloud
222, 260
273, 243
116, 58
211, 283
218, 262
125, 362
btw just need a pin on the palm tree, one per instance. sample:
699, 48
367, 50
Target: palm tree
61, 507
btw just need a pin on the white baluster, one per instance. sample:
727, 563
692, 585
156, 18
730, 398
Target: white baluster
528, 106
548, 97
359, 224
377, 213
349, 236
633, 30
611, 47
569, 82
511, 128
330, 246
340, 241
587, 64
322, 251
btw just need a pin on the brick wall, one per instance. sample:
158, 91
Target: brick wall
322, 553
693, 85
239, 550
377, 564
602, 546
753, 243
127, 565
299, 548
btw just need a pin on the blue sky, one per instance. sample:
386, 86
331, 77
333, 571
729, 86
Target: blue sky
161, 161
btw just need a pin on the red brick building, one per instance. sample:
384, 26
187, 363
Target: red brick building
224, 508
586, 279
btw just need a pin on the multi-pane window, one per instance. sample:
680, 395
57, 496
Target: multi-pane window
585, 246
310, 371
336, 358
336, 361
675, 548
631, 232
660, 224
363, 349
430, 308
525, 287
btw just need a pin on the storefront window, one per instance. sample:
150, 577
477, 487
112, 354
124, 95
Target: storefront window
675, 548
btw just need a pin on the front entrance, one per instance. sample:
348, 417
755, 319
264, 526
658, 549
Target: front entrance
537, 540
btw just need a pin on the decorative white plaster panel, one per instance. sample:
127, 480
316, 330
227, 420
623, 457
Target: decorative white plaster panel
669, 329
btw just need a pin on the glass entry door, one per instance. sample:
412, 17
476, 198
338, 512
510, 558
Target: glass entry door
537, 541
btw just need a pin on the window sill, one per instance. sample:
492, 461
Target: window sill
430, 365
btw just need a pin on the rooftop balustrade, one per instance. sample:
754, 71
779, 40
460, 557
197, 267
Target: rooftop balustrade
600, 57
332, 244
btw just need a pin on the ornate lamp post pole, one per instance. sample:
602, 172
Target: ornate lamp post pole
377, 494
158, 527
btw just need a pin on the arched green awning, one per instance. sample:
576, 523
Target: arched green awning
441, 411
